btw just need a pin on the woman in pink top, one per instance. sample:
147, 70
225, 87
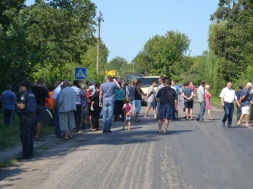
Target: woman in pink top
208, 105
127, 109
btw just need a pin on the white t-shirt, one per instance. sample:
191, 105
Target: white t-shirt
228, 95
92, 89
77, 91
200, 93
151, 97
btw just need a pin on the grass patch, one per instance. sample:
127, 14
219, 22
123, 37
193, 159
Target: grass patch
8, 163
216, 101
10, 136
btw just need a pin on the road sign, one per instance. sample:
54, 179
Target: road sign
80, 73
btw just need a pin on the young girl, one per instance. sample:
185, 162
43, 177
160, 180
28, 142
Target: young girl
127, 109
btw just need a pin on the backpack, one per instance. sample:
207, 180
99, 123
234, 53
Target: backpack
31, 103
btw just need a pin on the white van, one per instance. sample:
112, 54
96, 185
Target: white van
146, 82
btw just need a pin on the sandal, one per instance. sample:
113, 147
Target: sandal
38, 139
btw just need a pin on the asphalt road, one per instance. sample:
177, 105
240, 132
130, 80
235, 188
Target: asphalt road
193, 155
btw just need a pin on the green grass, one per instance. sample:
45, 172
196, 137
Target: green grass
215, 101
8, 163
10, 136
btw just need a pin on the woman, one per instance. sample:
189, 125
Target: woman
208, 105
119, 102
83, 104
138, 94
97, 109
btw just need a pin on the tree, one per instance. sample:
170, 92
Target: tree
118, 63
231, 37
163, 55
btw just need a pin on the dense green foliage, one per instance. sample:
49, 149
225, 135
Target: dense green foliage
47, 34
164, 55
231, 39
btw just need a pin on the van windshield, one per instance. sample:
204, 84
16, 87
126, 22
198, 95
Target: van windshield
146, 82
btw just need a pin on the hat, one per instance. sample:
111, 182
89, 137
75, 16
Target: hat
249, 84
25, 84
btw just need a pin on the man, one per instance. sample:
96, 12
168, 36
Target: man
8, 99
239, 110
161, 85
228, 97
67, 106
201, 98
41, 94
167, 97
151, 99
107, 93
78, 111
26, 108
188, 95
55, 97
251, 108
245, 101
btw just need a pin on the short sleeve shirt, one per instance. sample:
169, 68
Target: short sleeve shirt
127, 109
228, 95
9, 98
200, 93
78, 93
187, 91
108, 90
40, 94
167, 95
151, 98
246, 100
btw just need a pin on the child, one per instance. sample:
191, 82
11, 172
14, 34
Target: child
127, 109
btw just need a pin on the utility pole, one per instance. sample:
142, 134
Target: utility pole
100, 18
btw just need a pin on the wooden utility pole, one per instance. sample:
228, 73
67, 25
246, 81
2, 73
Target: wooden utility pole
100, 18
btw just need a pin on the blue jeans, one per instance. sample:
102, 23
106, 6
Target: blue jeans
133, 105
108, 107
228, 113
202, 110
239, 112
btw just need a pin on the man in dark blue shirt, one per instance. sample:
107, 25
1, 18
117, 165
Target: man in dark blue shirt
8, 99
245, 101
238, 95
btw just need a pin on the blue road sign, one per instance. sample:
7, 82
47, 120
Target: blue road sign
80, 73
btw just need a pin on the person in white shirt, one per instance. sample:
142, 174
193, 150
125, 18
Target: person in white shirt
78, 111
161, 82
202, 102
228, 97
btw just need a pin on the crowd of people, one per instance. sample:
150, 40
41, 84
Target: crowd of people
80, 105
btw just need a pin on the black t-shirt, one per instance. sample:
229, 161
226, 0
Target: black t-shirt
41, 94
137, 95
167, 95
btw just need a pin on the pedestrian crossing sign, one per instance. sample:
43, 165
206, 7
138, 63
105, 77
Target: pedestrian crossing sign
80, 73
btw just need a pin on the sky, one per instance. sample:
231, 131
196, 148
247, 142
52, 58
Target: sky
129, 24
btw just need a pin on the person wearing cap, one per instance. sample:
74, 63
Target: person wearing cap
26, 108
239, 110
245, 101
228, 97
8, 99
